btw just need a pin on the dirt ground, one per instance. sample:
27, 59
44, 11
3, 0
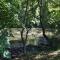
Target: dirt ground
54, 55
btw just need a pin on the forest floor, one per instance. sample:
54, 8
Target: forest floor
43, 55
53, 55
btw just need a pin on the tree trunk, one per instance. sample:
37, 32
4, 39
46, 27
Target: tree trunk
22, 39
41, 4
28, 29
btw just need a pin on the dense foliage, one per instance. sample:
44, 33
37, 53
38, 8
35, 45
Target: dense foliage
25, 13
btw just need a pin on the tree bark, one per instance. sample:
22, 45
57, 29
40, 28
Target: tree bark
25, 20
28, 29
41, 4
22, 39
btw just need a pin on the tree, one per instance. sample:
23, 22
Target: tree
42, 6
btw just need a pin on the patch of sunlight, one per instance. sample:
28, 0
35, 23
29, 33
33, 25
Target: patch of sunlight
56, 9
38, 56
49, 34
37, 11
56, 30
55, 53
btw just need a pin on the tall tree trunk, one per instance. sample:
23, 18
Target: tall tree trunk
41, 4
25, 20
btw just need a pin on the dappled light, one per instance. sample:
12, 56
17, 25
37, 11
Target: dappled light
29, 29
